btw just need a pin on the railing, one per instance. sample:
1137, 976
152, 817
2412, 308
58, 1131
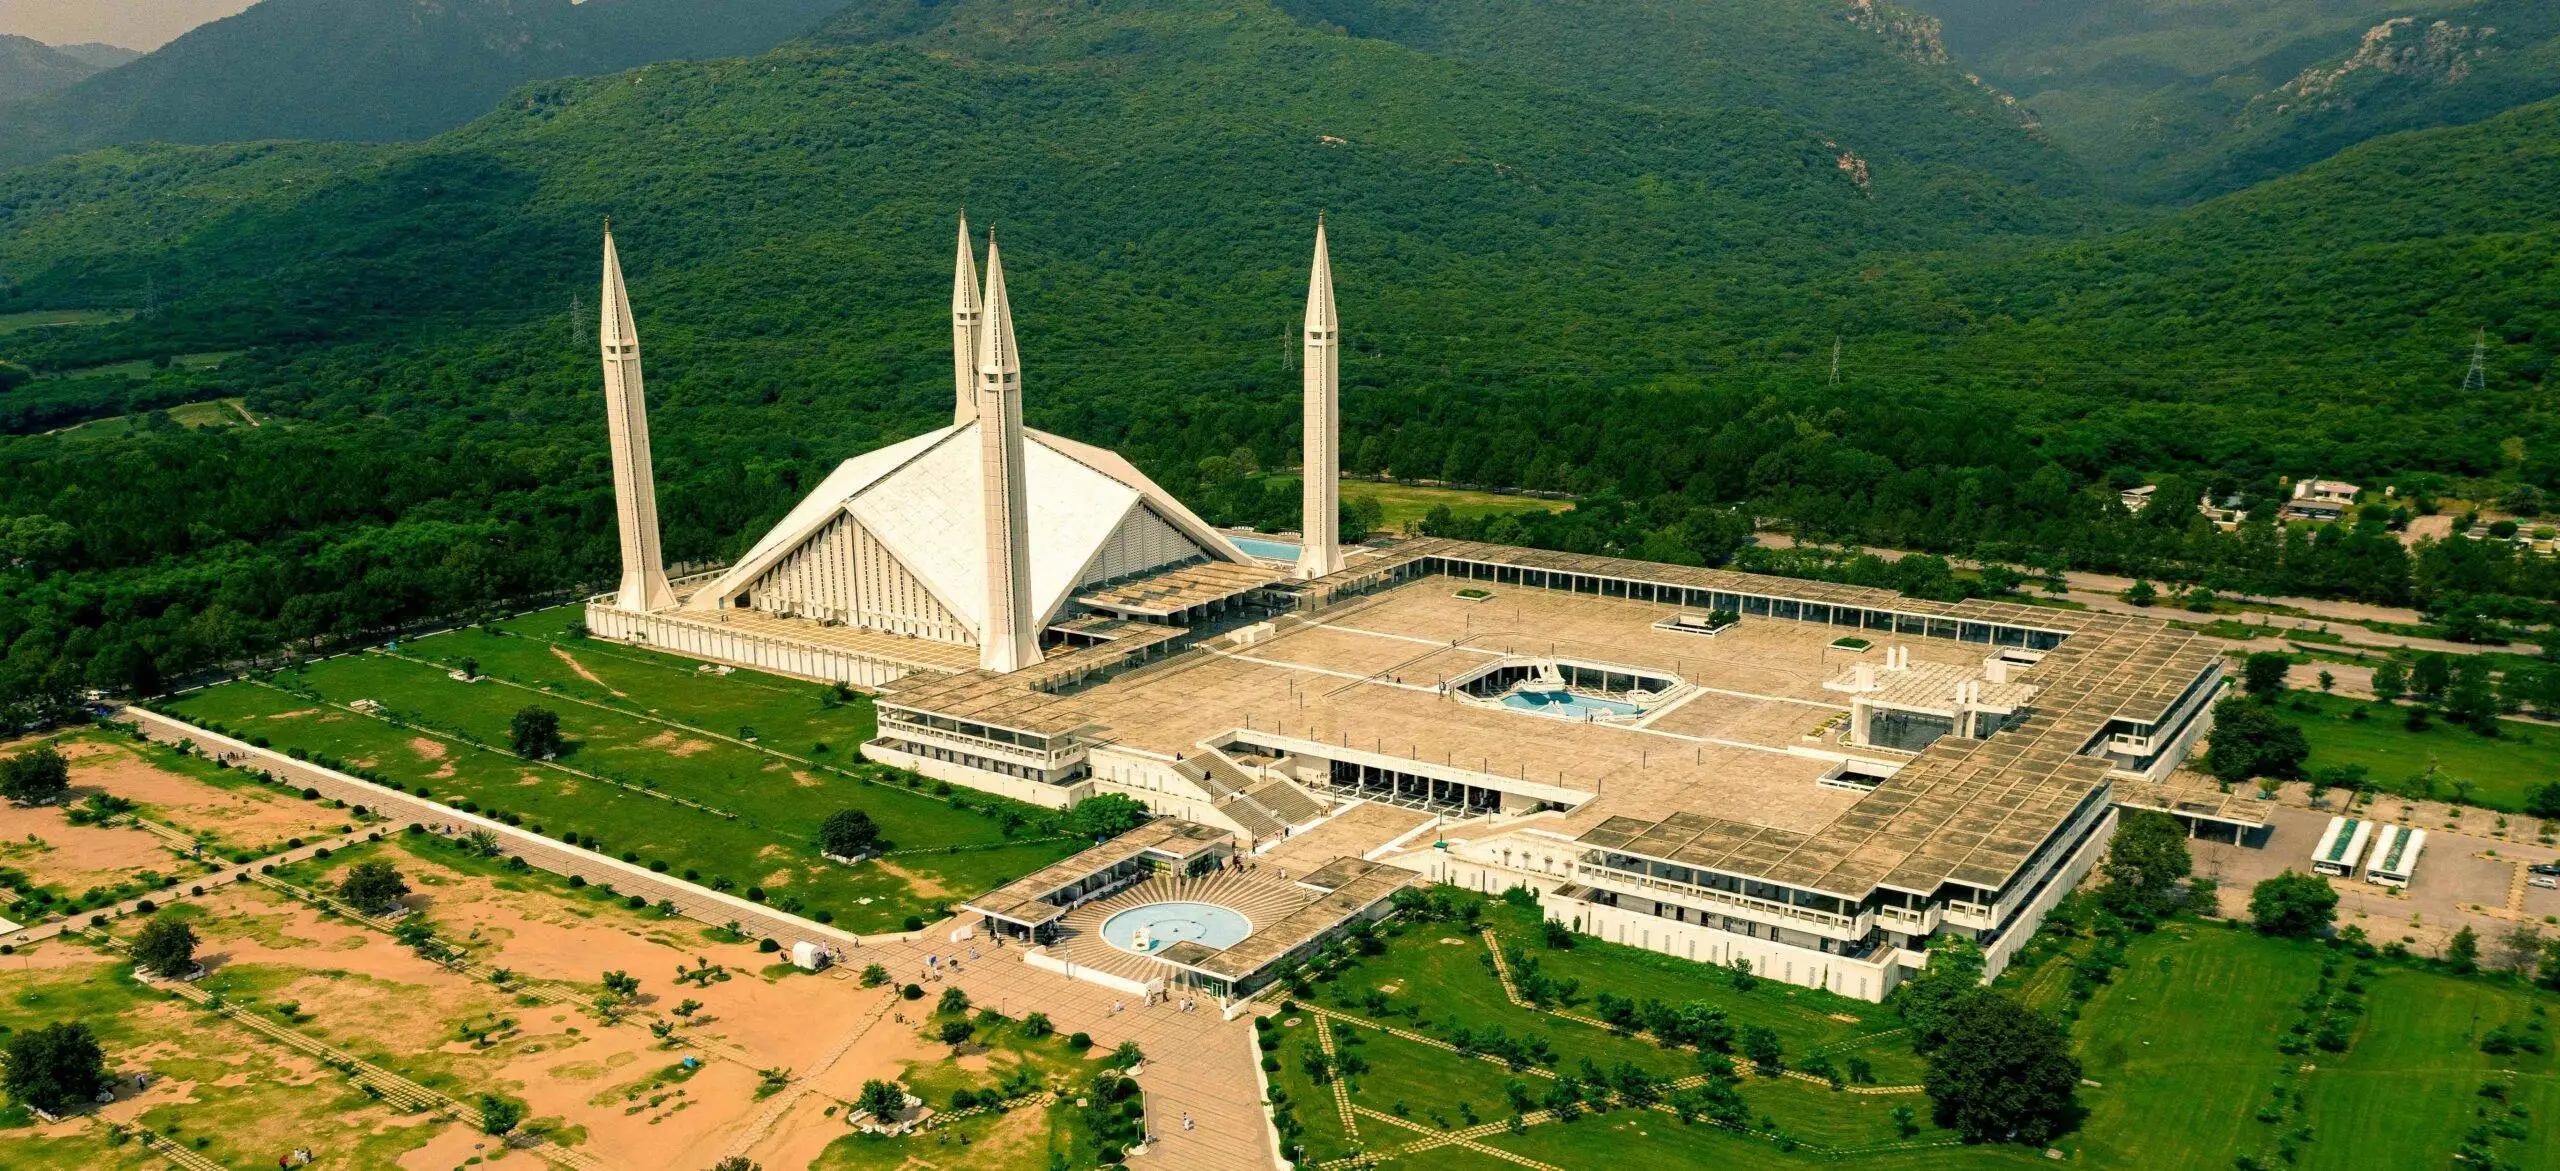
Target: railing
1605, 874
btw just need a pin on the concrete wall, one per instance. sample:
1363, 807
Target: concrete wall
710, 640
1018, 788
1996, 957
1868, 979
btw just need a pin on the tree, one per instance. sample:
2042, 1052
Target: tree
622, 984
2328, 682
2003, 1073
166, 947
737, 1163
2472, 697
2544, 801
372, 885
848, 833
499, 1114
2293, 904
36, 776
2145, 866
1760, 1044
2141, 593
2263, 673
1955, 969
2462, 952
2251, 741
883, 1099
1107, 816
535, 733
2429, 677
954, 1001
1036, 1025
55, 1067
2390, 682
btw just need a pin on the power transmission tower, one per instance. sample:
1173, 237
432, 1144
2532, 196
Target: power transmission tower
577, 320
2478, 378
1835, 359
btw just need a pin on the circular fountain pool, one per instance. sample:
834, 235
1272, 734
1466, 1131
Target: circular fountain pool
1166, 924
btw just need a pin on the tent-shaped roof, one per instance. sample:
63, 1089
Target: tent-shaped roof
921, 498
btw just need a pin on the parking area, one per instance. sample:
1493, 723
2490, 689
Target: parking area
2462, 880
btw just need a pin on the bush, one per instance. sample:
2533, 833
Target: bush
911, 992
1079, 1042
2293, 905
768, 945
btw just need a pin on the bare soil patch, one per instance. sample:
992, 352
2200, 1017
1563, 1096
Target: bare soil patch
925, 886
583, 672
674, 745
238, 818
44, 845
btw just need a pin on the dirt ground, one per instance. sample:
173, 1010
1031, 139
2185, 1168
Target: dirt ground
747, 1023
43, 844
239, 818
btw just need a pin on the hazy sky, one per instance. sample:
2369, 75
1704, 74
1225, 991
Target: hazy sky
134, 24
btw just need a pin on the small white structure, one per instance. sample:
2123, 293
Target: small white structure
2316, 499
811, 957
2395, 855
2342, 846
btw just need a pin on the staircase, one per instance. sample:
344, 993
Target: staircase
1286, 800
1277, 797
1224, 784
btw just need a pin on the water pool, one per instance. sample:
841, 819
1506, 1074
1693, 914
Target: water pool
1265, 548
1166, 924
1565, 705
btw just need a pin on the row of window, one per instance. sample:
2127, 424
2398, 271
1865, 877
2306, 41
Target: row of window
1758, 605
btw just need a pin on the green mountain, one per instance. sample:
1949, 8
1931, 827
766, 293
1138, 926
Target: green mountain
379, 69
2184, 99
31, 67
1608, 262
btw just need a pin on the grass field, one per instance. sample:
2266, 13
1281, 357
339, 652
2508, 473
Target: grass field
1407, 504
220, 412
2500, 770
1435, 979
42, 318
2181, 1047
649, 734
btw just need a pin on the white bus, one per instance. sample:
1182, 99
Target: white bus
2342, 847
2395, 855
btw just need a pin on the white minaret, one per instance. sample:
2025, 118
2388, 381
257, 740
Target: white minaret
1007, 642
626, 411
964, 332
1320, 492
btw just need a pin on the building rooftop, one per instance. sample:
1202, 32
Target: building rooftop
1026, 899
1722, 776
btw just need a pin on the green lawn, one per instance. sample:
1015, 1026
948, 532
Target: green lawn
2500, 770
774, 803
1406, 504
42, 318
2183, 1046
2408, 1088
1441, 982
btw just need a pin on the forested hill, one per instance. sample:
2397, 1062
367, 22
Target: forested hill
379, 69
30, 67
2185, 99
1562, 262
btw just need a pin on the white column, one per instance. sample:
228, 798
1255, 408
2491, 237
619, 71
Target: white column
1320, 490
635, 490
966, 315
1006, 640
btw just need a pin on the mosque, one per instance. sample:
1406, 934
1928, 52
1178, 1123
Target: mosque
1810, 778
